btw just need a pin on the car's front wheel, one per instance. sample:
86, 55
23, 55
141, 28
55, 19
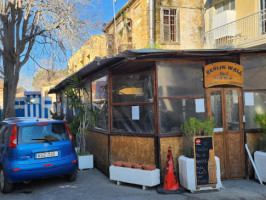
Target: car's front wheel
71, 177
5, 186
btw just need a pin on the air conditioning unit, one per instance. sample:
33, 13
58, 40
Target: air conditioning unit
222, 24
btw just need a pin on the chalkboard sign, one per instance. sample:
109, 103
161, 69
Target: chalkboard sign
205, 165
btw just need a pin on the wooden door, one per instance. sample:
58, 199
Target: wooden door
225, 106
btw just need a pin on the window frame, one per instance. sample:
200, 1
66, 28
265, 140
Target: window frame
223, 4
111, 104
177, 25
254, 91
169, 134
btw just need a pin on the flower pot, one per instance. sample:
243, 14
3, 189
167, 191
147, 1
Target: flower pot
260, 162
149, 167
127, 164
85, 162
118, 163
187, 174
137, 166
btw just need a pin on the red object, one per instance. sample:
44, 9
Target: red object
42, 124
69, 132
197, 141
13, 137
149, 167
47, 165
170, 179
16, 169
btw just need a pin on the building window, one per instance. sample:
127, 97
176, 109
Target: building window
170, 25
225, 5
99, 94
255, 102
181, 94
133, 103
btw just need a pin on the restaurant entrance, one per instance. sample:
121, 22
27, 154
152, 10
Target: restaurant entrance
225, 106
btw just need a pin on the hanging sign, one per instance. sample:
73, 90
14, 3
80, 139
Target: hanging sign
205, 164
223, 73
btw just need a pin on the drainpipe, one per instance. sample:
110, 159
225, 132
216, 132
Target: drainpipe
151, 41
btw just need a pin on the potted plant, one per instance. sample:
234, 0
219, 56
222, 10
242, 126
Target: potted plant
83, 118
260, 155
195, 127
187, 173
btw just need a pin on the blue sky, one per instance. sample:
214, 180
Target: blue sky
106, 10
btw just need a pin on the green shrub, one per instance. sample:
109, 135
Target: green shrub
260, 119
195, 127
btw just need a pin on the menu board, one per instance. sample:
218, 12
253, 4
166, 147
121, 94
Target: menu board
205, 165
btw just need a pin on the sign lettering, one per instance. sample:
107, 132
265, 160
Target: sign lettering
223, 73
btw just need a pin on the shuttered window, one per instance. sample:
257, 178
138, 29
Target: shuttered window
170, 25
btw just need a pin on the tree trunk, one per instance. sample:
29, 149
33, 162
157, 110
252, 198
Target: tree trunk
11, 77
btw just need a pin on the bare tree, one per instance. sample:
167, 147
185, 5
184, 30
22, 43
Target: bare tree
31, 28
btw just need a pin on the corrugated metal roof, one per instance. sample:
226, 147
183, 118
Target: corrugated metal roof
102, 63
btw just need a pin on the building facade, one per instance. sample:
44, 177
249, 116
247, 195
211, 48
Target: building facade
151, 93
234, 24
94, 47
175, 24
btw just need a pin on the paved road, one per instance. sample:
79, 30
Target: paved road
93, 185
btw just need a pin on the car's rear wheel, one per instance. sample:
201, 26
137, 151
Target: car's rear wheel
5, 186
71, 177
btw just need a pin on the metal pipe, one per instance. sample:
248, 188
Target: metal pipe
151, 41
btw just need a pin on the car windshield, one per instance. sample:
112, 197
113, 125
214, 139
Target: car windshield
42, 133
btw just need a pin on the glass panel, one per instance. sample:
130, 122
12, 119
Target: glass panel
180, 79
133, 88
232, 4
99, 102
99, 89
254, 71
136, 119
173, 113
232, 110
226, 5
216, 108
33, 134
255, 102
219, 8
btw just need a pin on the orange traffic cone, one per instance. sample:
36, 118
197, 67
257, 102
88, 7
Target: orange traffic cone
170, 180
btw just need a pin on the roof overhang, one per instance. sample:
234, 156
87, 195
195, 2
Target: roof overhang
152, 54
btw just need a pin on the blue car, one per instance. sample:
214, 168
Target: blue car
32, 148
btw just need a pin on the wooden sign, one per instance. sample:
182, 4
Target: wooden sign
205, 165
223, 73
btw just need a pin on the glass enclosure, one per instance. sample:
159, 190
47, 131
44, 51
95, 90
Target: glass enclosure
133, 103
255, 102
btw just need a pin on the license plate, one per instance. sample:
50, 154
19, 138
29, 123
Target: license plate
49, 154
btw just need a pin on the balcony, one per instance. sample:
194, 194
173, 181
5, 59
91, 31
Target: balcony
246, 32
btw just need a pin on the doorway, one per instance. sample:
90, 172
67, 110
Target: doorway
225, 106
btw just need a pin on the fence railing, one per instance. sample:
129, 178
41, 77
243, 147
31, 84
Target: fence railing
249, 27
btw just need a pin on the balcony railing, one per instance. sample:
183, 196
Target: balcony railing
249, 27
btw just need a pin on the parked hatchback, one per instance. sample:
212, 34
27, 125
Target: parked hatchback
33, 148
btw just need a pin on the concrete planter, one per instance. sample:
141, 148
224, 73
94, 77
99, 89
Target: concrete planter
85, 162
260, 162
135, 176
187, 174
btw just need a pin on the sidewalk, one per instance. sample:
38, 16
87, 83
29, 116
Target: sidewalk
93, 185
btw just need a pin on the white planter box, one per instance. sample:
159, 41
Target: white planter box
260, 162
135, 176
85, 162
187, 174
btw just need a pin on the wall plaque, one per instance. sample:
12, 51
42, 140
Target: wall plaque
223, 73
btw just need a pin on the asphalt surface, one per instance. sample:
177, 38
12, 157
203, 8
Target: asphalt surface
92, 184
